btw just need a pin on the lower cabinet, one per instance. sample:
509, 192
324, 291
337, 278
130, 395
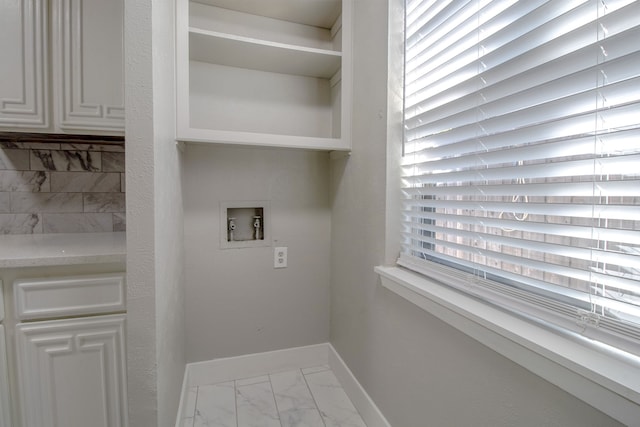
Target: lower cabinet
5, 408
72, 372
62, 346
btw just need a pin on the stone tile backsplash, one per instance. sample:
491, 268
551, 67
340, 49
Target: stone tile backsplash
61, 187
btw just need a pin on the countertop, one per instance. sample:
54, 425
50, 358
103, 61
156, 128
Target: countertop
33, 250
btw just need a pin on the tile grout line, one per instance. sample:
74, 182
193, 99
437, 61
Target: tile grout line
342, 388
275, 401
304, 377
195, 408
235, 398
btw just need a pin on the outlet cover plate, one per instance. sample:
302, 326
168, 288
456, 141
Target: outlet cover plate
280, 257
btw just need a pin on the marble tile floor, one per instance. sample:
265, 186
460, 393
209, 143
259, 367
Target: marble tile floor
309, 397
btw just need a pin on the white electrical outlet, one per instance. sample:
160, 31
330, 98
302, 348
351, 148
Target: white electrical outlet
280, 257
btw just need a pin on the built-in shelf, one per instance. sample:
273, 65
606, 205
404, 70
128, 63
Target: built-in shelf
244, 52
265, 72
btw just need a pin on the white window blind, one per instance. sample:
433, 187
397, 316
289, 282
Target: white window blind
521, 166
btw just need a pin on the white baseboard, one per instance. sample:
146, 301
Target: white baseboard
252, 365
183, 397
368, 410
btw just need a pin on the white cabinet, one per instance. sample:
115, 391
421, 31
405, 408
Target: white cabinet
24, 86
62, 66
88, 59
265, 72
5, 405
72, 372
69, 296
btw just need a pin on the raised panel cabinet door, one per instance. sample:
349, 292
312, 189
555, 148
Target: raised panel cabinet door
56, 297
5, 408
88, 64
23, 64
71, 373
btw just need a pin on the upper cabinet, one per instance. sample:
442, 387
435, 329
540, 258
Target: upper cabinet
265, 72
88, 64
24, 86
62, 66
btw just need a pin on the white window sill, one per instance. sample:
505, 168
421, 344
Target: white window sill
606, 379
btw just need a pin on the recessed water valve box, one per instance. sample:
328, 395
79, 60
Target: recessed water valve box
244, 224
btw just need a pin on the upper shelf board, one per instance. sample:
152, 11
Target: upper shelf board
317, 13
243, 52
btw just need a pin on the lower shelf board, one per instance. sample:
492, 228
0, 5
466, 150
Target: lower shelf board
207, 136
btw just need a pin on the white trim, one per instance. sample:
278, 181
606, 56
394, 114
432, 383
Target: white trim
98, 339
253, 365
1, 303
41, 298
367, 408
250, 365
184, 392
5, 404
606, 379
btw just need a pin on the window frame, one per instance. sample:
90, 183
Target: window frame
603, 376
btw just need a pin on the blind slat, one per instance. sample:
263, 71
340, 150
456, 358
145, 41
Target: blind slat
575, 210
614, 118
614, 143
522, 150
619, 283
480, 173
611, 235
566, 77
542, 45
627, 188
479, 239
538, 287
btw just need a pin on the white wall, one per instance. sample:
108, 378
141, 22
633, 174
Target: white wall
141, 319
155, 324
236, 302
417, 369
169, 221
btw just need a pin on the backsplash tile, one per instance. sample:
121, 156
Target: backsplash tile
119, 222
12, 159
104, 202
92, 182
94, 147
46, 202
65, 160
112, 162
77, 223
65, 185
5, 200
29, 181
20, 223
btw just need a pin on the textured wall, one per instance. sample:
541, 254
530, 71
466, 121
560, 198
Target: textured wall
142, 372
61, 186
155, 292
169, 222
418, 370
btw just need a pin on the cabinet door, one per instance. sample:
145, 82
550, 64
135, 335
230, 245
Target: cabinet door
88, 61
5, 408
71, 373
23, 67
